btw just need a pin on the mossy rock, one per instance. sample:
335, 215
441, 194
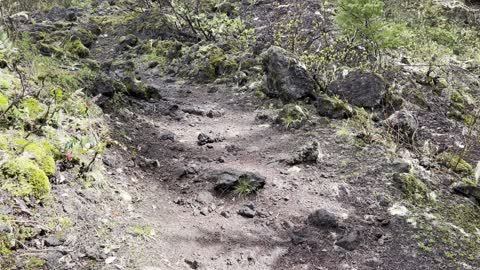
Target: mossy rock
49, 50
77, 48
208, 63
293, 116
455, 163
86, 37
333, 107
43, 157
412, 187
23, 177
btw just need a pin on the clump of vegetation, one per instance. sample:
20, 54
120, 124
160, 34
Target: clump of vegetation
244, 187
455, 163
23, 177
413, 188
77, 48
293, 116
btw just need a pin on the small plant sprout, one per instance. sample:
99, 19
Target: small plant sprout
244, 187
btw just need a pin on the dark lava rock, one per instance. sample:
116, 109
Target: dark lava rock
226, 181
360, 89
247, 212
287, 77
128, 41
469, 191
71, 16
204, 139
350, 241
192, 263
106, 86
323, 219
333, 107
169, 136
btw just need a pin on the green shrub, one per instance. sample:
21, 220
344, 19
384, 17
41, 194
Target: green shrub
3, 102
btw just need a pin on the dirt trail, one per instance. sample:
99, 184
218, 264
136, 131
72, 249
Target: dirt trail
182, 232
194, 228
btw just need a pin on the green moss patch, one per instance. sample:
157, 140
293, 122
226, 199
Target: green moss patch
455, 163
292, 116
23, 177
3, 102
33, 107
77, 48
413, 188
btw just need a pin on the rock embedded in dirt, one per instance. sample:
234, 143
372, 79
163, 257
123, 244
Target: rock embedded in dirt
403, 122
204, 139
360, 89
350, 240
54, 241
128, 41
205, 198
247, 211
309, 154
169, 136
227, 181
323, 219
193, 264
287, 77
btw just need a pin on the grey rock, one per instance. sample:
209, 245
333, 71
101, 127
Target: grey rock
360, 89
308, 154
128, 41
226, 181
54, 241
401, 166
169, 136
323, 219
350, 241
287, 77
205, 197
403, 122
247, 212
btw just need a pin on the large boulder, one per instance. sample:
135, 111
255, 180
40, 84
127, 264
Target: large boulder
360, 89
287, 77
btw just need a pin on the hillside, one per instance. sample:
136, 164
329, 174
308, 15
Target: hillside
228, 134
